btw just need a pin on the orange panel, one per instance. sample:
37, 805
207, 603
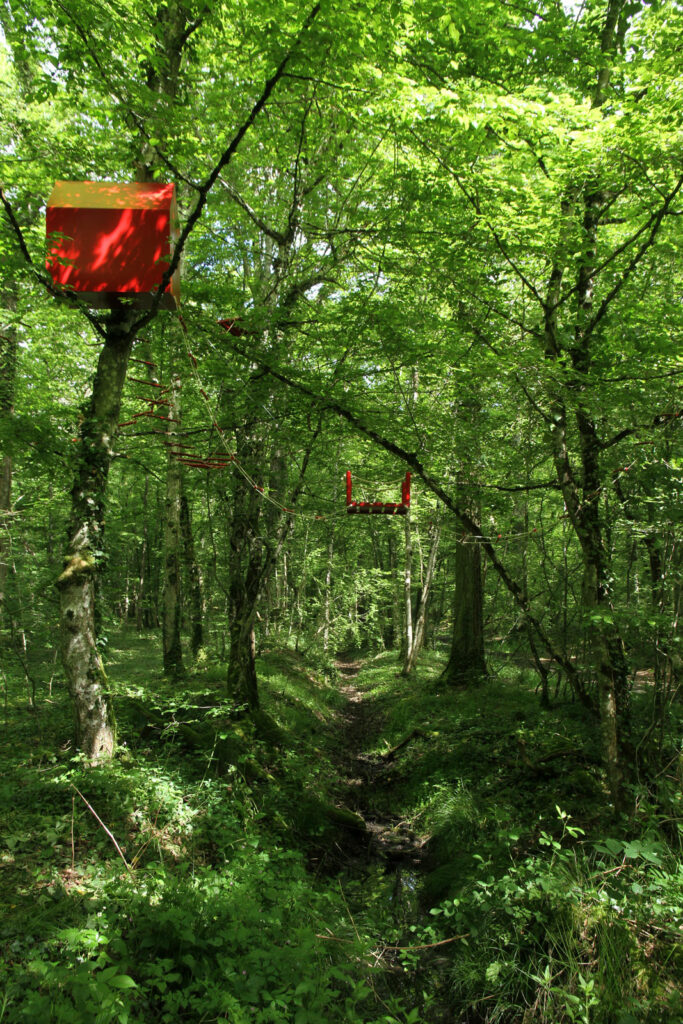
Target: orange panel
112, 195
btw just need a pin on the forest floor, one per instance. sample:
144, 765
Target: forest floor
368, 849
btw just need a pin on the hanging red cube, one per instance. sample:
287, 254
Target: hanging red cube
110, 240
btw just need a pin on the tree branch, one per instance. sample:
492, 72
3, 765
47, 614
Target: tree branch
68, 298
655, 221
277, 236
660, 420
223, 162
474, 202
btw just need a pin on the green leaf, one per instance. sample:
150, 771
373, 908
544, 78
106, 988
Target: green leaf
122, 981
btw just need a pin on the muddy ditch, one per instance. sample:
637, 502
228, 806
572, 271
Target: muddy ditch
386, 837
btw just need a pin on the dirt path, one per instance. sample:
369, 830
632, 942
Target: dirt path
364, 775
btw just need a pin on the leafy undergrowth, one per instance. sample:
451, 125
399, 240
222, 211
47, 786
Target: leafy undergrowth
174, 883
205, 875
554, 913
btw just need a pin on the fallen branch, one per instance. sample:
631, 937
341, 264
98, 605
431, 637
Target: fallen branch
109, 833
399, 949
554, 755
429, 945
389, 755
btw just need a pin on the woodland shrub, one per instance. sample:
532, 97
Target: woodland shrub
576, 932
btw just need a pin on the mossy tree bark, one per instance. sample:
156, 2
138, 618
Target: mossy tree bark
78, 584
84, 560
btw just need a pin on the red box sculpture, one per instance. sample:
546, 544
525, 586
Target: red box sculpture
110, 240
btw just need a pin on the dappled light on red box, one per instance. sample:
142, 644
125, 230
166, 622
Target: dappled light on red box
111, 240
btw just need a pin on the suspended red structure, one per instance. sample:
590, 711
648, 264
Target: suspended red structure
388, 508
232, 326
110, 240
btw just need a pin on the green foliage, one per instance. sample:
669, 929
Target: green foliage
194, 901
547, 916
437, 211
575, 937
218, 912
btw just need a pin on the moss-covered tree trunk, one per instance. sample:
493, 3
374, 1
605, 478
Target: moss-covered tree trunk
84, 559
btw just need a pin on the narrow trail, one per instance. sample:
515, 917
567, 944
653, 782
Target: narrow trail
364, 776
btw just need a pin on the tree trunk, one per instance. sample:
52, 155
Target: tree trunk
242, 678
395, 630
194, 578
466, 662
8, 371
582, 490
421, 619
327, 617
173, 655
142, 557
78, 584
245, 580
407, 633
